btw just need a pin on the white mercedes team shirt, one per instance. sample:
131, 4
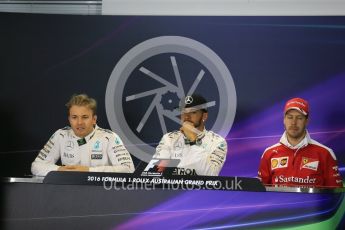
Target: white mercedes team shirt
204, 157
102, 150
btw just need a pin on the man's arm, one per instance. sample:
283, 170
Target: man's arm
211, 163
332, 176
75, 168
121, 160
264, 172
47, 157
216, 159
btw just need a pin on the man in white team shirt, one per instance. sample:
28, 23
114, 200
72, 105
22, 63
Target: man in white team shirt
83, 146
201, 152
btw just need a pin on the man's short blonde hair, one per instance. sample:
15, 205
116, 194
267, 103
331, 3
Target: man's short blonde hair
82, 100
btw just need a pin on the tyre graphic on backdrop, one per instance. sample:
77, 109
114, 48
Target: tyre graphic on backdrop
147, 84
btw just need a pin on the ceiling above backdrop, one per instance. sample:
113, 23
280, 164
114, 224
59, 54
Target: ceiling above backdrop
177, 7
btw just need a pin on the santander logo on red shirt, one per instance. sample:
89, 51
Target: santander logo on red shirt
293, 179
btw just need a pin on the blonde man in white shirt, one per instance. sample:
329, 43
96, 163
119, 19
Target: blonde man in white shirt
83, 146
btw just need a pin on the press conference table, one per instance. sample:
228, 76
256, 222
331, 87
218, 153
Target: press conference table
74, 201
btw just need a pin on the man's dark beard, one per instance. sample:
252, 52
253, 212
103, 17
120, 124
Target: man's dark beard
197, 125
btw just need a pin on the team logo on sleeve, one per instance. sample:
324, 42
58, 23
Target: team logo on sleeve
221, 146
117, 141
308, 163
279, 162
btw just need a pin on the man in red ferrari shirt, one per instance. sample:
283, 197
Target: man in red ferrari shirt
298, 160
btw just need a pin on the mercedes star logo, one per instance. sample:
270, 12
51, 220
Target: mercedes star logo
188, 100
